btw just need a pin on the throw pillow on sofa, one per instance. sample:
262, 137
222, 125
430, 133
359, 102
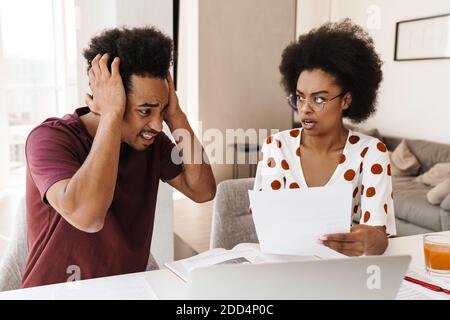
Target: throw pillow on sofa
436, 175
368, 132
438, 193
403, 162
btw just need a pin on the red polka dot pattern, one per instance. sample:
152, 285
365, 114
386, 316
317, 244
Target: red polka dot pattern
376, 169
353, 139
381, 146
284, 165
370, 192
279, 143
366, 216
294, 185
294, 133
276, 185
369, 171
349, 175
271, 163
363, 153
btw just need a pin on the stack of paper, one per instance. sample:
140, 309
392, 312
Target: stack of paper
291, 221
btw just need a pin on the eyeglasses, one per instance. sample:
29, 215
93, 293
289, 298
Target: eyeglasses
297, 103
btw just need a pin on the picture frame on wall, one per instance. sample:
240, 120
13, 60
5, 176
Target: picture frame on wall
423, 39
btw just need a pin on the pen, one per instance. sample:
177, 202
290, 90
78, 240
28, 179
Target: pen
427, 285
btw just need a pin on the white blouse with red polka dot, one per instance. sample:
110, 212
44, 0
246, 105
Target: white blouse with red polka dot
364, 163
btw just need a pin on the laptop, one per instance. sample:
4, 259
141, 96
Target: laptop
374, 277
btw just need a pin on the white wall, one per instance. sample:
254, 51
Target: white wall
4, 132
413, 100
5, 204
311, 14
92, 18
137, 13
188, 63
240, 46
95, 16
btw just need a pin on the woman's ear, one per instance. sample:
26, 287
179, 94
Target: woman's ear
347, 101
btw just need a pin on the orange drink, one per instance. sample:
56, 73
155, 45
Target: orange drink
437, 254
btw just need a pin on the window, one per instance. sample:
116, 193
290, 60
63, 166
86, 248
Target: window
38, 78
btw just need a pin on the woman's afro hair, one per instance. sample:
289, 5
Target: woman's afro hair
343, 50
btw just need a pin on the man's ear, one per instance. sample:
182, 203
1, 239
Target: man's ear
347, 101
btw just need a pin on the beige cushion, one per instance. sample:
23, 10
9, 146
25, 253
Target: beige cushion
403, 162
437, 174
429, 153
438, 193
369, 132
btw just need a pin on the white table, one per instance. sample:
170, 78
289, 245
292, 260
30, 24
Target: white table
136, 285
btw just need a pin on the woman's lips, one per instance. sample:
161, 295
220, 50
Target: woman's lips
308, 124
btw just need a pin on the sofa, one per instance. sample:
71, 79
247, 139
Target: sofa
233, 224
413, 213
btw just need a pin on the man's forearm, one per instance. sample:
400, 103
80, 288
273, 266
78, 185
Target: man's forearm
198, 172
90, 191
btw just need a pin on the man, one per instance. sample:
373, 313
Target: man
93, 175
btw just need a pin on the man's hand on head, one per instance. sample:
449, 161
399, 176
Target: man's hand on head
173, 110
108, 92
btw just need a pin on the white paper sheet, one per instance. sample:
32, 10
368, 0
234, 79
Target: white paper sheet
412, 291
291, 221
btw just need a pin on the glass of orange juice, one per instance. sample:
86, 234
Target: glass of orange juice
437, 254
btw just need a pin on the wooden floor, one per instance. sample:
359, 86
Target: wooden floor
192, 227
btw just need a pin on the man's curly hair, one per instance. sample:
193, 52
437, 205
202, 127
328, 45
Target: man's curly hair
142, 51
343, 50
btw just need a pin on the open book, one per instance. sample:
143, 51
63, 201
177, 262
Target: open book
240, 254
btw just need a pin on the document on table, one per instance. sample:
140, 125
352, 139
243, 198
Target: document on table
412, 291
291, 221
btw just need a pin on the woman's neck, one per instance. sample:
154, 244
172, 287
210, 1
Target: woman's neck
328, 142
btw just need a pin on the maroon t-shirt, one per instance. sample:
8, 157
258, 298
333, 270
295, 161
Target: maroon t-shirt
55, 150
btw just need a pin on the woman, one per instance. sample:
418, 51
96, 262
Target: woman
332, 73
